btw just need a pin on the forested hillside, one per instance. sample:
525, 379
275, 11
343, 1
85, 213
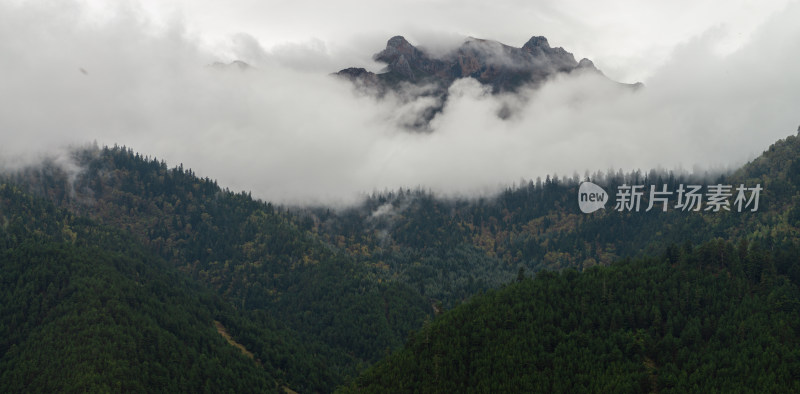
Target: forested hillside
317, 295
450, 248
83, 308
716, 318
250, 253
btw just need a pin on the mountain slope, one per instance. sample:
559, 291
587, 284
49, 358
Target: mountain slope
83, 308
250, 253
338, 290
649, 325
451, 248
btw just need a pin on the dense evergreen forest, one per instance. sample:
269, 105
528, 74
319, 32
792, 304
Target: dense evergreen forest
694, 320
340, 317
449, 249
86, 309
128, 253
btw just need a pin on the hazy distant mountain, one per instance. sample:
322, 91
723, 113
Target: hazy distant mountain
503, 67
236, 64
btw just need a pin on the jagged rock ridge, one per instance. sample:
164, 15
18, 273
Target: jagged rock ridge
500, 66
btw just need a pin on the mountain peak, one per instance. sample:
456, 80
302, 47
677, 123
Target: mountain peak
587, 64
503, 68
399, 56
537, 42
396, 42
397, 46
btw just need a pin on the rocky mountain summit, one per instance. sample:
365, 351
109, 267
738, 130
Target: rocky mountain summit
504, 68
415, 73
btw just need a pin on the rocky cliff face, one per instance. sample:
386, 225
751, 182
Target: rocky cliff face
500, 66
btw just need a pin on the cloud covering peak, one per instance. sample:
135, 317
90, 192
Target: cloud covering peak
291, 134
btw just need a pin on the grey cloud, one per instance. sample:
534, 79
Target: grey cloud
296, 135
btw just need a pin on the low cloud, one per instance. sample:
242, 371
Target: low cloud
289, 132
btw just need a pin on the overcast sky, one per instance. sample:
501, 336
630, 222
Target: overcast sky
721, 76
628, 39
